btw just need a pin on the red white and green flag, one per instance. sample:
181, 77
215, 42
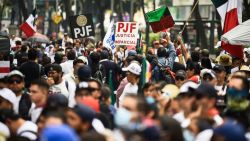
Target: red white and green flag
230, 12
29, 26
160, 19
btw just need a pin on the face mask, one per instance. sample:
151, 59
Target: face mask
122, 117
238, 94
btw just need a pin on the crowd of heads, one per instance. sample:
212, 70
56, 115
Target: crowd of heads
80, 90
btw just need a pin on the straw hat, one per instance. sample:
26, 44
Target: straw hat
224, 60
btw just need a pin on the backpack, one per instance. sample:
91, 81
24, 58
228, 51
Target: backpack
162, 73
100, 74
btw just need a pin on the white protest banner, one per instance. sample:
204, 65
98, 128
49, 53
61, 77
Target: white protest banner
126, 33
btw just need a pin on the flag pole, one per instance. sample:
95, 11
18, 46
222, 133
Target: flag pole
192, 11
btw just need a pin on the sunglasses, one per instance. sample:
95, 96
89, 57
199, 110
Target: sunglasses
179, 78
17, 81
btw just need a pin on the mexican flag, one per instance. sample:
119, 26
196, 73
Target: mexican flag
146, 71
160, 19
29, 26
230, 12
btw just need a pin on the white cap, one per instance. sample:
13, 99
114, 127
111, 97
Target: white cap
8, 95
207, 71
84, 59
189, 84
15, 72
134, 68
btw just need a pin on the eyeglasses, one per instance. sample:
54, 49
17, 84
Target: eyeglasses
17, 81
179, 78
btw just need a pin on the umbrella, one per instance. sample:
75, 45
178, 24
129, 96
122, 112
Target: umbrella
38, 38
240, 35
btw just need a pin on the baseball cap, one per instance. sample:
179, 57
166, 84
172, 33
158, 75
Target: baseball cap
8, 95
206, 89
57, 100
15, 73
219, 68
84, 73
207, 71
58, 132
55, 67
187, 86
132, 53
84, 112
84, 59
180, 73
134, 68
231, 131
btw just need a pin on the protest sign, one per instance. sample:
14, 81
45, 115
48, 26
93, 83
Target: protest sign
81, 26
126, 33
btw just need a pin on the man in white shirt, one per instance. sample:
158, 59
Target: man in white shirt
67, 66
57, 84
66, 39
72, 77
16, 84
19, 126
39, 91
133, 72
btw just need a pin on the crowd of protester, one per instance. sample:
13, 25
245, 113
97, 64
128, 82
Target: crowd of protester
62, 91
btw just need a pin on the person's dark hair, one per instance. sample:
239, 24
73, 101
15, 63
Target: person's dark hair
147, 85
58, 58
206, 63
76, 61
96, 81
195, 56
53, 112
17, 138
194, 66
104, 54
71, 55
24, 48
6, 114
92, 136
204, 53
95, 57
32, 54
171, 128
245, 82
161, 52
18, 42
41, 84
105, 93
46, 60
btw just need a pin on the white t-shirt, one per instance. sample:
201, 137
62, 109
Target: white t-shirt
220, 90
179, 117
4, 130
61, 88
28, 130
67, 66
35, 112
16, 107
68, 91
128, 89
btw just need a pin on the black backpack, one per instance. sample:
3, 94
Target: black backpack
100, 74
